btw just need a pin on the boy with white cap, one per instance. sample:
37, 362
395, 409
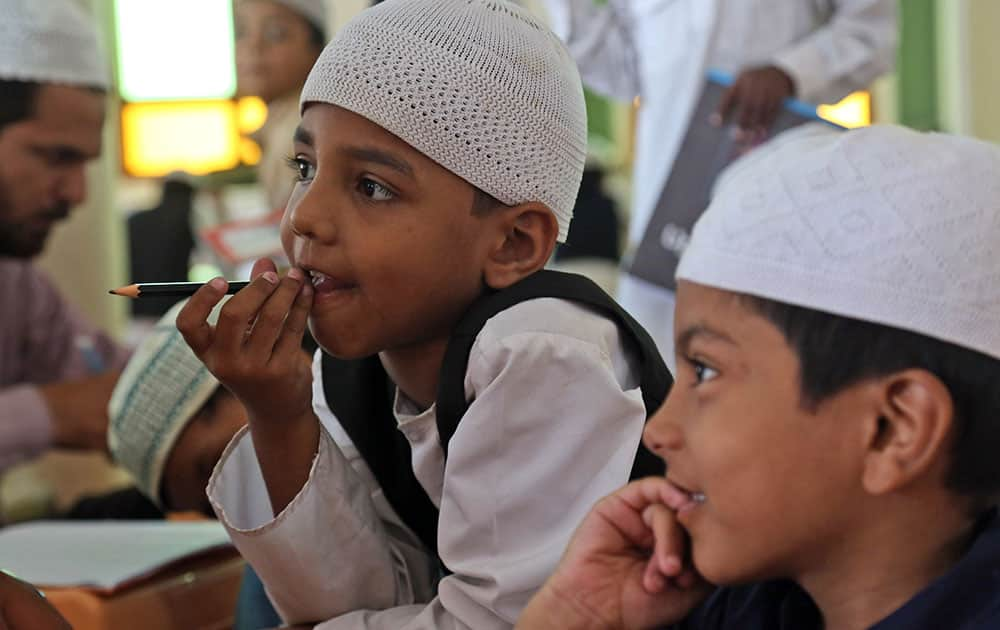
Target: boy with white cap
169, 420
439, 155
833, 445
277, 42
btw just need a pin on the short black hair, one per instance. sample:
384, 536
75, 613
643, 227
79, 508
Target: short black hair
17, 101
483, 202
836, 352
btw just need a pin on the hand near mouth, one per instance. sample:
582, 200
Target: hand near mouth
255, 351
627, 566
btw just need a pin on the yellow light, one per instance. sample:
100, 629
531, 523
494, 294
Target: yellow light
196, 137
250, 152
251, 112
854, 111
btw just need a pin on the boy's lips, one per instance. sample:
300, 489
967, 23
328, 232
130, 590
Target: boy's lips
695, 497
324, 283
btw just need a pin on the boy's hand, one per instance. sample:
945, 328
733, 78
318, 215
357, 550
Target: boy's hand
255, 351
22, 607
626, 566
255, 348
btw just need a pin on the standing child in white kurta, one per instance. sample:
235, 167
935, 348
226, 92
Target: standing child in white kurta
439, 155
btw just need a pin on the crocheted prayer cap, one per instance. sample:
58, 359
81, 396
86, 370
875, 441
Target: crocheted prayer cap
881, 224
50, 41
482, 87
161, 389
314, 11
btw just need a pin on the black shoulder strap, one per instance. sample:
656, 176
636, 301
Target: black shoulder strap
360, 394
654, 377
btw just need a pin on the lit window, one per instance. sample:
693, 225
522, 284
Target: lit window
176, 50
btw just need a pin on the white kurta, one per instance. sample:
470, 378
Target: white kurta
555, 421
659, 50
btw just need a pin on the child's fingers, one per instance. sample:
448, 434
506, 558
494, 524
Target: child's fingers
232, 327
669, 539
192, 321
270, 322
290, 341
262, 266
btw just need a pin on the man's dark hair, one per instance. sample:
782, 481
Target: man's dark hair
17, 101
836, 352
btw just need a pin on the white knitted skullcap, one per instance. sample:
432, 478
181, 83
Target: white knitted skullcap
163, 386
882, 224
49, 41
481, 87
314, 11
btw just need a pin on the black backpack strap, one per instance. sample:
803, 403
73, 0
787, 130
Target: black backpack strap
360, 394
654, 377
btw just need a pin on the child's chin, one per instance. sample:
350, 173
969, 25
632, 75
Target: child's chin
724, 568
344, 349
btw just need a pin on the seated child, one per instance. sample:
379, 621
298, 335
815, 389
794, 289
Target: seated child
170, 420
833, 437
428, 471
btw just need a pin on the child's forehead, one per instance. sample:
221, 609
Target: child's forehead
717, 315
331, 128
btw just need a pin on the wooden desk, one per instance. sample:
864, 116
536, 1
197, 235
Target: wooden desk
196, 595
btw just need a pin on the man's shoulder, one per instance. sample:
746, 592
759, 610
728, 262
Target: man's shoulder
20, 280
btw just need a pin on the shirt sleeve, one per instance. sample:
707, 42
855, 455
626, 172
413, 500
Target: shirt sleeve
550, 432
600, 40
337, 547
855, 47
554, 426
55, 344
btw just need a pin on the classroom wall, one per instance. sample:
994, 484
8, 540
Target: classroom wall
984, 76
967, 53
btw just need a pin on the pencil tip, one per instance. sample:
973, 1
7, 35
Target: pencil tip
112, 292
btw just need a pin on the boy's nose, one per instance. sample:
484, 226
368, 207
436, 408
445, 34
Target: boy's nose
309, 218
662, 433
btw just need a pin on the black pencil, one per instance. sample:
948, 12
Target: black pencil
169, 289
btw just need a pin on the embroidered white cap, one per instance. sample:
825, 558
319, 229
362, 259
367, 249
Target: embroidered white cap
314, 11
482, 87
50, 41
160, 390
882, 224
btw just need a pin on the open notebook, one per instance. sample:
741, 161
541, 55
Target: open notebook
103, 555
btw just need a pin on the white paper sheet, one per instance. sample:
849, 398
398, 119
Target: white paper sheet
101, 554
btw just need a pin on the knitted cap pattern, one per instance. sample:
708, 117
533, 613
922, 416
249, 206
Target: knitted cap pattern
481, 87
881, 224
50, 41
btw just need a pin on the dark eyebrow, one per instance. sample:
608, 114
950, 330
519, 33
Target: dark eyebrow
701, 330
302, 136
377, 156
63, 154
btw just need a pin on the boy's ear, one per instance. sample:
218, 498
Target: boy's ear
526, 237
909, 431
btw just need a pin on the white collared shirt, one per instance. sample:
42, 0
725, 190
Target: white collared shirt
554, 423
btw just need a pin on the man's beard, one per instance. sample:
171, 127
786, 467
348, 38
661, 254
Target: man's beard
19, 240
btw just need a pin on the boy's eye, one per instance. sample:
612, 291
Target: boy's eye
375, 191
702, 372
304, 171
